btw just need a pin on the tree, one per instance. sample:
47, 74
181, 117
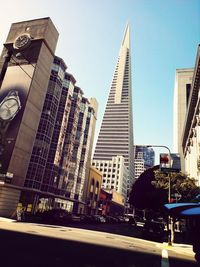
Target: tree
143, 194
150, 191
180, 184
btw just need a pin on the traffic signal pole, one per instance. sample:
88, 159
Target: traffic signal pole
170, 224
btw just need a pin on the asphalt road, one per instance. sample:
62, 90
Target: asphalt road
26, 244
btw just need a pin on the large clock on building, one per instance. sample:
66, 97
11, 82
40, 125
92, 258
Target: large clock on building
22, 41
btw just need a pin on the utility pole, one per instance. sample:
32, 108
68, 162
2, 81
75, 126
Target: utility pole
170, 225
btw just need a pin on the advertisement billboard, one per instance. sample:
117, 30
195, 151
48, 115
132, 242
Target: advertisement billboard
13, 96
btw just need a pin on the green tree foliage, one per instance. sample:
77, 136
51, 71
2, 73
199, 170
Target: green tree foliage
150, 191
143, 194
180, 184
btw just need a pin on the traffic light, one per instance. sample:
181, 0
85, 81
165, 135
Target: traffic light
165, 162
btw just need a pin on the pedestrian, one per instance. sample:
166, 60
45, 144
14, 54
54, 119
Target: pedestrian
19, 214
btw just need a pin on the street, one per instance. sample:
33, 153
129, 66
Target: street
27, 244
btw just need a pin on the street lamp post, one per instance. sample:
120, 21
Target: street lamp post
169, 195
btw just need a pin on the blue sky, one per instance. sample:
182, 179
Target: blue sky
164, 36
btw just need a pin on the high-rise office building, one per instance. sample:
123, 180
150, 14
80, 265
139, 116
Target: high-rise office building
139, 166
63, 145
116, 133
182, 89
46, 125
144, 159
25, 67
147, 154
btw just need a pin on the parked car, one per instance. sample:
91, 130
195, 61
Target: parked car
154, 229
53, 216
137, 221
99, 219
87, 218
121, 219
111, 219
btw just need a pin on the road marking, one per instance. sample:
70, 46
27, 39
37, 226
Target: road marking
164, 260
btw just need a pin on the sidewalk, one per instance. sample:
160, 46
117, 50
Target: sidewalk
2, 219
180, 248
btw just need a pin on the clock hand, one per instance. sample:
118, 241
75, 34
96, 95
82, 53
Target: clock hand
12, 105
7, 106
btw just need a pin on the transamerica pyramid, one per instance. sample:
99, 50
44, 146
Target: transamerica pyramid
116, 132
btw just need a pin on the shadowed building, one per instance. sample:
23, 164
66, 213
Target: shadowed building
93, 191
25, 68
57, 170
46, 124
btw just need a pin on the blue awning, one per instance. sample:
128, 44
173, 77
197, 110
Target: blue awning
191, 212
183, 209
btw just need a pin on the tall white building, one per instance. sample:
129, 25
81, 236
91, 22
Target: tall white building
139, 165
116, 133
182, 88
114, 174
191, 128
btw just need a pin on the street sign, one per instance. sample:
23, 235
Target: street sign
170, 162
165, 162
175, 162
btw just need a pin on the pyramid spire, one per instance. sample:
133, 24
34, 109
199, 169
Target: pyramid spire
116, 133
126, 39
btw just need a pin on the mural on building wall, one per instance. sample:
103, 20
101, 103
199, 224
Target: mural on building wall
13, 96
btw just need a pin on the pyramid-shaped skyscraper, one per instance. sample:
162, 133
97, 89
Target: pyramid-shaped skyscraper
116, 132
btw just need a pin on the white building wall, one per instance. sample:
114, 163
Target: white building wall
192, 157
191, 131
182, 78
114, 173
139, 167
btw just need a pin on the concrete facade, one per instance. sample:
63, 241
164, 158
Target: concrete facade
114, 174
46, 145
191, 129
34, 64
144, 159
93, 191
182, 88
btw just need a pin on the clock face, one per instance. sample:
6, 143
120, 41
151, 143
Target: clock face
8, 109
22, 41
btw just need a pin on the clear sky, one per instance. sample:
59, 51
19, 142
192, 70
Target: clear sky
164, 36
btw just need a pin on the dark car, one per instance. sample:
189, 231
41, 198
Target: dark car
154, 230
136, 221
86, 218
56, 216
111, 219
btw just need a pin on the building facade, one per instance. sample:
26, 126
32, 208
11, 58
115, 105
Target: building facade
93, 191
114, 174
144, 159
182, 89
191, 128
63, 143
147, 153
139, 165
25, 68
111, 203
46, 144
116, 132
